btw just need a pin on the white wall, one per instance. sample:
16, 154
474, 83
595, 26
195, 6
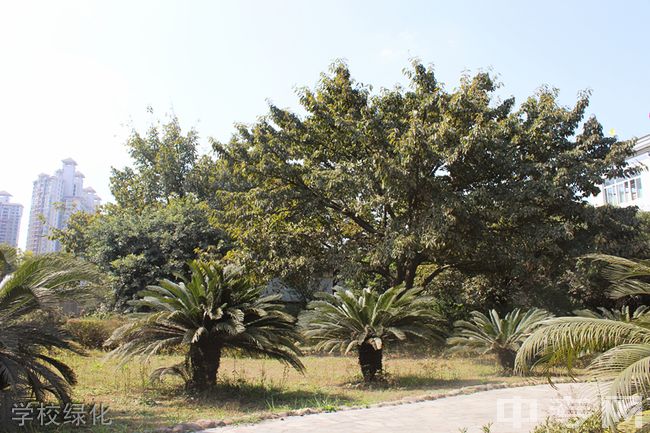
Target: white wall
642, 161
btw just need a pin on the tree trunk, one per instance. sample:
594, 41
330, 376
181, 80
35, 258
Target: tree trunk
205, 356
506, 359
370, 361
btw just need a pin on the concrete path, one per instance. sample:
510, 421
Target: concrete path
513, 410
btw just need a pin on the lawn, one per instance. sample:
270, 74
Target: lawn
249, 388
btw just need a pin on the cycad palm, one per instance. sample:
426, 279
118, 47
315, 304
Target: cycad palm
215, 309
623, 314
367, 322
497, 335
622, 347
27, 369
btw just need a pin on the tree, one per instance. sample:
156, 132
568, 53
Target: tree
622, 347
213, 310
499, 336
28, 367
165, 213
378, 186
564, 281
368, 322
138, 247
166, 165
623, 232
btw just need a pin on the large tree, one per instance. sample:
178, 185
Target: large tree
379, 187
138, 247
164, 213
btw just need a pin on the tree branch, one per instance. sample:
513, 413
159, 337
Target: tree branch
435, 273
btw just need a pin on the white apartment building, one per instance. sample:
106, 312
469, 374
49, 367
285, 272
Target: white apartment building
10, 214
634, 190
54, 199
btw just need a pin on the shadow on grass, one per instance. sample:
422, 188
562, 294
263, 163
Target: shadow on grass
425, 383
255, 397
237, 399
416, 382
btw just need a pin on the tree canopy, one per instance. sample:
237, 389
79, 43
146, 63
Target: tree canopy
163, 216
140, 247
415, 185
165, 164
396, 186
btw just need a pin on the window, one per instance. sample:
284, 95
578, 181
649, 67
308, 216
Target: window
622, 190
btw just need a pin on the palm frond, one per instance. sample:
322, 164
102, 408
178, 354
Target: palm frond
27, 369
492, 333
628, 365
624, 314
619, 339
628, 277
570, 336
179, 370
344, 320
45, 280
8, 260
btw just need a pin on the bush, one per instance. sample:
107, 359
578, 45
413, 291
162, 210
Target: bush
592, 424
92, 332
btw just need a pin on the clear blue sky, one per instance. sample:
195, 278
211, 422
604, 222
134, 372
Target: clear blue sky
74, 75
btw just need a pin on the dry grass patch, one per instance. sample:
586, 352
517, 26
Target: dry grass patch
251, 387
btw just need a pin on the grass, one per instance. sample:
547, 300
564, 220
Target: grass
251, 387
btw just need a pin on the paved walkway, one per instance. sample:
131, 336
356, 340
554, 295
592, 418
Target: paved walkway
513, 410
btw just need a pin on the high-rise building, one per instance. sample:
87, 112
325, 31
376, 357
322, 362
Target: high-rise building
54, 199
10, 214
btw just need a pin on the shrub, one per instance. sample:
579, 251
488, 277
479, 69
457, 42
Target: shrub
501, 336
215, 309
92, 332
621, 348
367, 321
592, 424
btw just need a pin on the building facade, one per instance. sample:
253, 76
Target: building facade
633, 190
10, 215
54, 199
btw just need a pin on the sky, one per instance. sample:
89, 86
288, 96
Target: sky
77, 76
